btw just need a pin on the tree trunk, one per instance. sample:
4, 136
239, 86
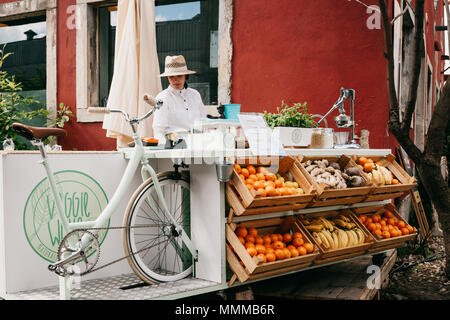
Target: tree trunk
428, 161
439, 194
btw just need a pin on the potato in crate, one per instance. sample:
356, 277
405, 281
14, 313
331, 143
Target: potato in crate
338, 180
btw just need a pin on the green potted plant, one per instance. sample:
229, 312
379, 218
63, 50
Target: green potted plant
293, 124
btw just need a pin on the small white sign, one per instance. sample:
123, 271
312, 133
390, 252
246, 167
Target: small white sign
262, 141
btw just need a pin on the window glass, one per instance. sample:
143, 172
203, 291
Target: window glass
26, 40
183, 27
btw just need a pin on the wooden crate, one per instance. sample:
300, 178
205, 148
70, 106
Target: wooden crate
251, 200
383, 192
332, 255
236, 203
252, 267
328, 197
382, 244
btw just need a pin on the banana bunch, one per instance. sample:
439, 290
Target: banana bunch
338, 233
318, 224
344, 222
381, 175
339, 238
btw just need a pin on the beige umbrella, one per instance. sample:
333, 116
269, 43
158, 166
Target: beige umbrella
136, 69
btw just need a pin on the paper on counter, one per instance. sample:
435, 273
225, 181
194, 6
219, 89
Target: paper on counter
262, 141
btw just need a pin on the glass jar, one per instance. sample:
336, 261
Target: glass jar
328, 135
317, 138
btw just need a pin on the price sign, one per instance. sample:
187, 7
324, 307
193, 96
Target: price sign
262, 141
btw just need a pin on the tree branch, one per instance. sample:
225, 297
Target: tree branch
403, 12
416, 65
394, 118
400, 130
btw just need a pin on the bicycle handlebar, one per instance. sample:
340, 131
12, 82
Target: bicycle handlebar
155, 103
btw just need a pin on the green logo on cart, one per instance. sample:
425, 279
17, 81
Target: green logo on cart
83, 199
296, 135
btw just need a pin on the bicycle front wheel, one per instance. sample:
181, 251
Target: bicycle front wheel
154, 248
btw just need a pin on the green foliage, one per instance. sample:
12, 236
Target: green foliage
290, 116
12, 105
63, 115
14, 108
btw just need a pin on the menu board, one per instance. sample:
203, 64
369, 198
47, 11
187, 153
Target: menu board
261, 139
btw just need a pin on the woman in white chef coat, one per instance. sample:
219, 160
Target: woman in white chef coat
181, 105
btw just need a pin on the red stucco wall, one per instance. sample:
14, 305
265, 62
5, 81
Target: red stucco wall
307, 52
81, 136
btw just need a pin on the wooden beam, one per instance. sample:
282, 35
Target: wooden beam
25, 7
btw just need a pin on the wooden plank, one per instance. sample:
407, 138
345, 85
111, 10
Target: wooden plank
236, 266
239, 209
331, 196
285, 164
406, 182
336, 201
230, 215
346, 280
384, 244
383, 196
253, 266
323, 260
301, 179
262, 222
240, 249
341, 253
278, 271
232, 280
250, 200
416, 201
368, 294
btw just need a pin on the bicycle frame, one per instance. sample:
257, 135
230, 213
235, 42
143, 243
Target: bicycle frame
137, 157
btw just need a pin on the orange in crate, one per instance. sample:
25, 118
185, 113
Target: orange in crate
275, 255
394, 231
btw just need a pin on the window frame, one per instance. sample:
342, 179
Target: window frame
29, 8
87, 68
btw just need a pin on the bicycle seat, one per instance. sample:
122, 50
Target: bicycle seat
36, 133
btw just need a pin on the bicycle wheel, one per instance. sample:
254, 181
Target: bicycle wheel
155, 250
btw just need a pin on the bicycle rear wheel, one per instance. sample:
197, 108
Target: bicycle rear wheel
155, 250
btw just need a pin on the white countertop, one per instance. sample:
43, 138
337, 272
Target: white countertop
240, 153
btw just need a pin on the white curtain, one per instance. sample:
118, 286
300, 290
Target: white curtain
136, 69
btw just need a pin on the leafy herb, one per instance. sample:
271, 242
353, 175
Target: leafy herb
290, 116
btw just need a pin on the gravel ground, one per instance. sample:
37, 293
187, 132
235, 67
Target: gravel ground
414, 278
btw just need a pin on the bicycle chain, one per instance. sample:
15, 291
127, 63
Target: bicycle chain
120, 259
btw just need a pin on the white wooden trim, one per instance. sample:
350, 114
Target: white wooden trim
51, 64
86, 64
225, 51
26, 7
